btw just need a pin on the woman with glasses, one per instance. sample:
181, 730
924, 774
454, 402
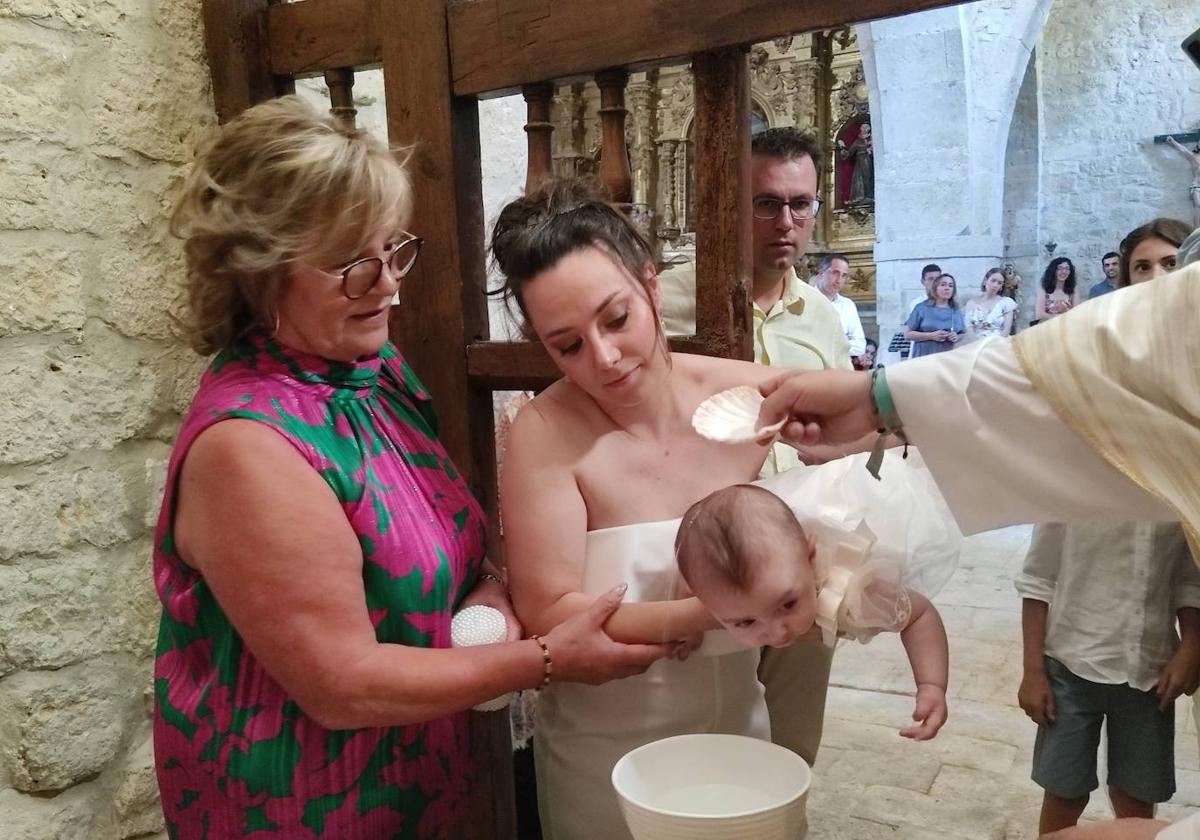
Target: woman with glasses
314, 538
1057, 293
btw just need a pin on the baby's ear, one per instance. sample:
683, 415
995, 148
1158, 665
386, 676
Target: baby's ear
680, 589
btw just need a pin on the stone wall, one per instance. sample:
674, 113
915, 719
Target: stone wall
1112, 76
101, 105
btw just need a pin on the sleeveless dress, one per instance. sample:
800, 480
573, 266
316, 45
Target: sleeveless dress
992, 322
582, 730
235, 755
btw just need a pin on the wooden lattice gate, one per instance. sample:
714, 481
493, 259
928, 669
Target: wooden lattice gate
438, 58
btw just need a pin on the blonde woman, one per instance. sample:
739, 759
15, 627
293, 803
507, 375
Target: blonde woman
314, 538
991, 313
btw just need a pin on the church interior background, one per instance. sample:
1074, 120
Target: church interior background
1003, 133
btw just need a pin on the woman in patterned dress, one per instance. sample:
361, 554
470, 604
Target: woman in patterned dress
315, 538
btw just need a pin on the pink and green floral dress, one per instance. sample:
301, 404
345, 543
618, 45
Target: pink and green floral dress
236, 756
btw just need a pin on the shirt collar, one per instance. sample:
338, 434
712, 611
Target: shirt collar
792, 300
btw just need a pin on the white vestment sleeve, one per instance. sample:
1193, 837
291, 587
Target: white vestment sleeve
997, 449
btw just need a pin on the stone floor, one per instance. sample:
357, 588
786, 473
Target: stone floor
972, 781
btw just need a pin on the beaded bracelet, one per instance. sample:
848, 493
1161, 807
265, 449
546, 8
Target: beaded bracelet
547, 661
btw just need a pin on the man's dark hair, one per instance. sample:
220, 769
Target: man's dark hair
929, 268
828, 259
787, 144
1109, 256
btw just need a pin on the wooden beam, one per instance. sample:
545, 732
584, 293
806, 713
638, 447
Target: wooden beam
312, 36
498, 45
235, 38
723, 265
511, 365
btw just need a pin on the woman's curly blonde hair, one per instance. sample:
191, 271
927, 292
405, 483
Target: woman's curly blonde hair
280, 180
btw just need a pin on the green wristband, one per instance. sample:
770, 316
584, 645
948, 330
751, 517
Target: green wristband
885, 406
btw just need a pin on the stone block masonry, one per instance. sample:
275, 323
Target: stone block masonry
102, 105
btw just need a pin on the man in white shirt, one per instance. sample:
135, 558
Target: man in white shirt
930, 274
833, 272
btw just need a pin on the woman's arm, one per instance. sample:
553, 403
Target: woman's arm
924, 639
545, 535
1076, 298
1008, 323
1039, 307
911, 333
971, 336
275, 548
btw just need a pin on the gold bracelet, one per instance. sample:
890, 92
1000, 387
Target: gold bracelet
490, 576
547, 661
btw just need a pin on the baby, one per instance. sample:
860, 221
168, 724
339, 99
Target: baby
745, 555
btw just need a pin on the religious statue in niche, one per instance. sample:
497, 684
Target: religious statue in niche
1012, 288
856, 164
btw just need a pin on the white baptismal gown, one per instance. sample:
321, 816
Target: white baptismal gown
582, 730
900, 534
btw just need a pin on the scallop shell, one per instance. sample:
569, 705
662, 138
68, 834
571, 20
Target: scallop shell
730, 416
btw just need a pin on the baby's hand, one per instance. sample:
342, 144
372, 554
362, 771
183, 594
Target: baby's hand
930, 713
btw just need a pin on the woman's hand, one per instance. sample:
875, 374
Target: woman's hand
491, 593
583, 652
822, 407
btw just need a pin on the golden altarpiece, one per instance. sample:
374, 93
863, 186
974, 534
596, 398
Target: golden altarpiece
814, 82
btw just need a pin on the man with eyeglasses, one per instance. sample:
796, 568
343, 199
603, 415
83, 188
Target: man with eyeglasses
795, 326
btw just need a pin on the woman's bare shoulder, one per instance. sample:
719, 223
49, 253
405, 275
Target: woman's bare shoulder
554, 419
713, 373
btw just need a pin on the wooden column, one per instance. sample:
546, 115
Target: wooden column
235, 38
341, 94
443, 308
614, 156
540, 132
723, 258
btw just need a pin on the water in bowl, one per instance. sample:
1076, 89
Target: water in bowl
713, 800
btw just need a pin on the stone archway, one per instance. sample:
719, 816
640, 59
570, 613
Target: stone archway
943, 86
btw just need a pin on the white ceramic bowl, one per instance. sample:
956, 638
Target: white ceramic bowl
713, 787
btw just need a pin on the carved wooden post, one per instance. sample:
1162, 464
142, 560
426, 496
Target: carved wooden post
340, 82
540, 132
235, 37
614, 157
723, 265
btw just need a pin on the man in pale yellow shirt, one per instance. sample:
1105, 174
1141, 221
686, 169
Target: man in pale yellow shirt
795, 326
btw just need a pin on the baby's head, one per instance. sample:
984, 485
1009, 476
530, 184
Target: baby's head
744, 555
